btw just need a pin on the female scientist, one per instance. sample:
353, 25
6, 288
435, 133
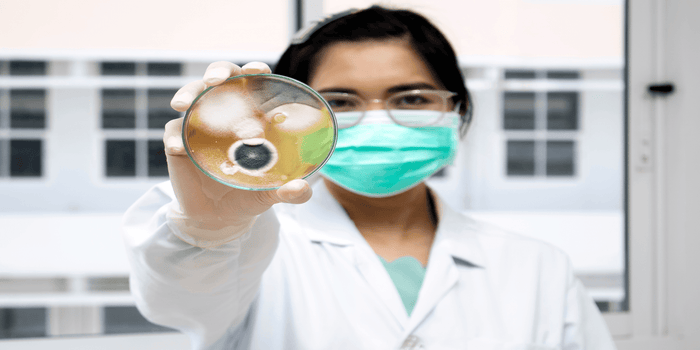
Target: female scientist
374, 259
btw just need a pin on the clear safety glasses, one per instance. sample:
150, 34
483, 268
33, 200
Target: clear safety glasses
402, 107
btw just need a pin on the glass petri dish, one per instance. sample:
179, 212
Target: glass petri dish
259, 131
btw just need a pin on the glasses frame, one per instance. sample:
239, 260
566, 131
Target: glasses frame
445, 95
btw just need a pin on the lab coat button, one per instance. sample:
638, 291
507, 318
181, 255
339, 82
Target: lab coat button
412, 343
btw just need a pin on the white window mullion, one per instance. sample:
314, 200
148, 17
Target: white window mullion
4, 109
540, 128
141, 157
4, 157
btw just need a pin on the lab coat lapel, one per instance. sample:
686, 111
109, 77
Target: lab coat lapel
325, 221
441, 276
455, 239
379, 280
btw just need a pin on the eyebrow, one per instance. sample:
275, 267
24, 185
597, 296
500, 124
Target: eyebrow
392, 90
409, 87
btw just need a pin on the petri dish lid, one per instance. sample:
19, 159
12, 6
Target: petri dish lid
259, 131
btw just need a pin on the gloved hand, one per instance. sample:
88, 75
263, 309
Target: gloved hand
210, 213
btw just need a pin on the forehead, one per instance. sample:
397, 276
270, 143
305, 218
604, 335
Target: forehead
370, 66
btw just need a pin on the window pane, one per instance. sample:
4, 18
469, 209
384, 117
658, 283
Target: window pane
519, 110
521, 158
28, 109
560, 158
25, 158
120, 158
27, 68
520, 74
164, 69
562, 111
118, 109
22, 323
118, 68
562, 74
126, 319
159, 111
157, 165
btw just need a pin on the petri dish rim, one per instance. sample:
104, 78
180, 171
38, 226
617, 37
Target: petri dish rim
276, 76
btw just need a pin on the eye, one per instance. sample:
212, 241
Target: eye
412, 101
342, 103
418, 100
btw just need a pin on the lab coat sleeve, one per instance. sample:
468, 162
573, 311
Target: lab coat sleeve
584, 326
201, 292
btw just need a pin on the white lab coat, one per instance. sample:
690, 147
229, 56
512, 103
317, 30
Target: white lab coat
304, 278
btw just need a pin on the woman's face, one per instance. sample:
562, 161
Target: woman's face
372, 70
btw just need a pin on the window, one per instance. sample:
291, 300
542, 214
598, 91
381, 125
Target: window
133, 120
118, 68
23, 122
540, 127
164, 69
22, 323
27, 68
127, 319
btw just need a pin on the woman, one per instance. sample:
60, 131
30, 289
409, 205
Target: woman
373, 260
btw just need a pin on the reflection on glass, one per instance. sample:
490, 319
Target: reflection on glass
118, 68
120, 158
118, 108
519, 74
521, 158
560, 158
157, 164
22, 322
25, 158
28, 109
27, 68
259, 131
562, 110
519, 110
562, 74
159, 111
127, 319
164, 69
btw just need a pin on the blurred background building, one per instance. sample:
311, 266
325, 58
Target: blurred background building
85, 88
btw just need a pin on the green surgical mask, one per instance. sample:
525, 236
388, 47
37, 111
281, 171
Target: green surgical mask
380, 158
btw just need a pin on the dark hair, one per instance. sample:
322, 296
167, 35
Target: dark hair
378, 23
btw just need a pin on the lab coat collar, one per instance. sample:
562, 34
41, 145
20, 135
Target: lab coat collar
458, 234
325, 220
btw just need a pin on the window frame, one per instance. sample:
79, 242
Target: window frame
141, 83
540, 86
8, 134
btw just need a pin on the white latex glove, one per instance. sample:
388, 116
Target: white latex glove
210, 213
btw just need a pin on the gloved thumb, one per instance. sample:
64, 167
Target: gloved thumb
296, 192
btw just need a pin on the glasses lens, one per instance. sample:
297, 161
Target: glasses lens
348, 109
417, 108
347, 119
422, 100
343, 102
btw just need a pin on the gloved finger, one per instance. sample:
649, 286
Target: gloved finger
296, 192
172, 138
255, 68
183, 98
218, 72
